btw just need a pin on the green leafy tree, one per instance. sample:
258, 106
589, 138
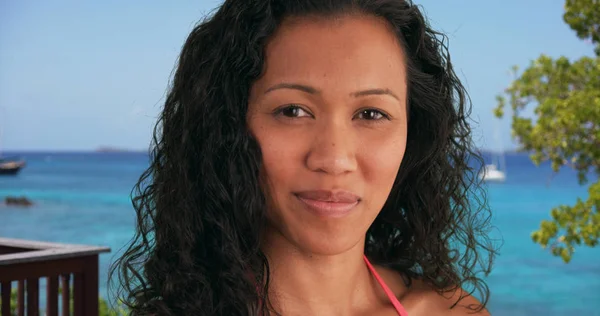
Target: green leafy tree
106, 310
565, 130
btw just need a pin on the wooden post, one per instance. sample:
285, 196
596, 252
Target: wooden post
90, 287
21, 298
33, 297
5, 299
65, 279
52, 296
86, 288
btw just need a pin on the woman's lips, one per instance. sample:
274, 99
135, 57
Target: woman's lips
328, 203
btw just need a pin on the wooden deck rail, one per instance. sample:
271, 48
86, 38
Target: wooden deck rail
75, 267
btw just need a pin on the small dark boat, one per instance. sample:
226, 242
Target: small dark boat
11, 166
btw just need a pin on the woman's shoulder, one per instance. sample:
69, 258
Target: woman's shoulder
429, 300
423, 299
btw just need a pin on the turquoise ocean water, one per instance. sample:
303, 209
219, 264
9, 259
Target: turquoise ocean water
84, 198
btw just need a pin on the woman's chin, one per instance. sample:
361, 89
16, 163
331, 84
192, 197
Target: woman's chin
316, 237
326, 243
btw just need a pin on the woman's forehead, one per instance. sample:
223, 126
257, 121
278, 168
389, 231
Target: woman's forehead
358, 50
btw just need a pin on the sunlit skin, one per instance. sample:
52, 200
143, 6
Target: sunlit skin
330, 114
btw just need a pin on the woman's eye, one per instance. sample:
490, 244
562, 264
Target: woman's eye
371, 115
293, 111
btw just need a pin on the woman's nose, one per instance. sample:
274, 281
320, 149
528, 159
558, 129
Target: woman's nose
333, 149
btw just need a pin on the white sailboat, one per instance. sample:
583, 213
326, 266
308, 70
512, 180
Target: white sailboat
491, 173
496, 171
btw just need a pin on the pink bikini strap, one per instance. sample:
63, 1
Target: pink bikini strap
399, 308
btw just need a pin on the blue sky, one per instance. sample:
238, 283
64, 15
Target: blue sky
76, 76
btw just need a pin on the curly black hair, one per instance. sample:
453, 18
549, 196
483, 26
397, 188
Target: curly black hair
200, 207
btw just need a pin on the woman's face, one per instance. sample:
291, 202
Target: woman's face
330, 117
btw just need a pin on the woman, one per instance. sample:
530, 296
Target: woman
313, 158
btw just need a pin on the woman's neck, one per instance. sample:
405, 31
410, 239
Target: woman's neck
302, 283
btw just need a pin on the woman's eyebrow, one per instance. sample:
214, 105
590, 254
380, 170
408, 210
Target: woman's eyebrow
295, 86
313, 90
375, 92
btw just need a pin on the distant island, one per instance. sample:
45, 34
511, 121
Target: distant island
108, 149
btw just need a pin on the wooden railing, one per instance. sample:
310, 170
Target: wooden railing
24, 263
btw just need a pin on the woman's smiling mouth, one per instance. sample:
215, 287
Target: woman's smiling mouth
328, 203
